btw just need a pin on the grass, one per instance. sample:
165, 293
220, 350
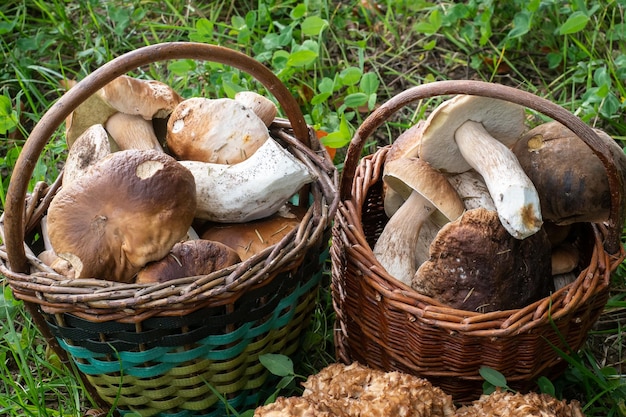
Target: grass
339, 59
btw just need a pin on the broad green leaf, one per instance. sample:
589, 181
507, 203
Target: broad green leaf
493, 376
521, 25
574, 23
546, 386
610, 107
313, 25
350, 75
8, 116
320, 98
355, 100
298, 11
204, 31
327, 85
182, 67
279, 365
301, 58
369, 83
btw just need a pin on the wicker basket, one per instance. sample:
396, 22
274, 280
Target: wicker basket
178, 348
387, 325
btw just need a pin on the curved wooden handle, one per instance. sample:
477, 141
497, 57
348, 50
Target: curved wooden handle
480, 88
55, 116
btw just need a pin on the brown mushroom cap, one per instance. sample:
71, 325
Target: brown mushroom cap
129, 209
252, 237
475, 264
220, 131
297, 407
570, 179
187, 259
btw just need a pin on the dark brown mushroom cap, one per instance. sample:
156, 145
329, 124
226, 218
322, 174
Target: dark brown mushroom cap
187, 259
475, 264
570, 179
128, 210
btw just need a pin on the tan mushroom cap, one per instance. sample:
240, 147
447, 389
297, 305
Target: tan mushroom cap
476, 265
297, 407
220, 131
405, 175
127, 210
252, 237
502, 119
187, 259
259, 104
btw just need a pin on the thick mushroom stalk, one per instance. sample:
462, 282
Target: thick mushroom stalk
476, 132
425, 191
513, 193
252, 189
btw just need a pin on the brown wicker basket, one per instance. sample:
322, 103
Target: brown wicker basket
387, 325
182, 347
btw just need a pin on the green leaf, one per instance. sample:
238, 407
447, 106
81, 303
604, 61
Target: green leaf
313, 25
301, 58
369, 83
350, 75
546, 386
298, 11
340, 138
182, 67
8, 116
204, 31
279, 365
493, 376
355, 100
574, 23
521, 25
327, 85
320, 98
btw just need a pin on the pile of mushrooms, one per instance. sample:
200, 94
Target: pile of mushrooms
149, 174
483, 213
355, 390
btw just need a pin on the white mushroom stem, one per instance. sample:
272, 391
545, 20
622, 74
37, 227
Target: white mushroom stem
513, 193
395, 248
132, 132
252, 189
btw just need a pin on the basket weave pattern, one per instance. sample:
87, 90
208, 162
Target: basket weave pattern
387, 325
180, 347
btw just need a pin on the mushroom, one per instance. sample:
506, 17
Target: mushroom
148, 99
187, 259
252, 237
90, 147
131, 131
565, 257
508, 404
296, 407
475, 264
476, 132
357, 390
251, 189
426, 192
219, 131
129, 209
571, 180
260, 105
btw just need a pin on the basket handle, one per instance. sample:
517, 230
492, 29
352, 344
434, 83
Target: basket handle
498, 91
52, 119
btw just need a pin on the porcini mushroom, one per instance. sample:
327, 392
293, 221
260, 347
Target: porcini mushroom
187, 259
260, 105
476, 265
149, 99
571, 180
219, 131
252, 237
129, 209
131, 131
90, 147
476, 132
426, 191
251, 189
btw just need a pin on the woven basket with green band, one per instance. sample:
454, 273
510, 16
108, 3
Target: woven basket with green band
191, 345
